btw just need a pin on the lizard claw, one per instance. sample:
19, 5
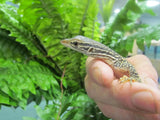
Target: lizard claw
125, 79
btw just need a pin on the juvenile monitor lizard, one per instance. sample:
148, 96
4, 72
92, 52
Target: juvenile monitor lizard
97, 50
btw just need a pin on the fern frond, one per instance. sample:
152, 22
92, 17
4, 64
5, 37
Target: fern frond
45, 19
106, 9
10, 49
91, 27
19, 80
78, 16
10, 20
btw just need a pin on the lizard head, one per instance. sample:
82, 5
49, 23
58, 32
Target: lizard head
86, 46
78, 43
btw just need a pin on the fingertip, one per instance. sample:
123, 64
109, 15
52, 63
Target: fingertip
144, 100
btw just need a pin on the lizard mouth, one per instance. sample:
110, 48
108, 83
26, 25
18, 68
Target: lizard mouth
65, 41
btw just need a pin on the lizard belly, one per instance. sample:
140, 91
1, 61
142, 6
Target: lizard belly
120, 68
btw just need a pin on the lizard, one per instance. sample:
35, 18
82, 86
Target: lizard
92, 48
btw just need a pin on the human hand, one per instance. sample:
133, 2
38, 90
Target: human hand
122, 101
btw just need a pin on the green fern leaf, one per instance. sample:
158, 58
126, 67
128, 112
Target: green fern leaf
91, 27
78, 16
10, 20
19, 80
10, 49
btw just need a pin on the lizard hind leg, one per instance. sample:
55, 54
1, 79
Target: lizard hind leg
125, 71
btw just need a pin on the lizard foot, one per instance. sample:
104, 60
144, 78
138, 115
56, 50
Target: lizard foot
127, 79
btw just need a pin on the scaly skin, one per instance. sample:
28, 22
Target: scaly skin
95, 49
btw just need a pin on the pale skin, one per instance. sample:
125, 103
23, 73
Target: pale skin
124, 101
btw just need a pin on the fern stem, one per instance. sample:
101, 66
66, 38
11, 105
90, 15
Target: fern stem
44, 52
59, 112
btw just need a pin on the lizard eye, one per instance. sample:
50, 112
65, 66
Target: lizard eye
75, 43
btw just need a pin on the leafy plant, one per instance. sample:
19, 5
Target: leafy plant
32, 60
125, 21
107, 6
75, 107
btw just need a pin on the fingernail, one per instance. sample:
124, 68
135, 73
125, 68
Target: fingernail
144, 101
96, 74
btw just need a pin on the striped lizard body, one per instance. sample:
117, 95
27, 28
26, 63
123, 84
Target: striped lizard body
89, 47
